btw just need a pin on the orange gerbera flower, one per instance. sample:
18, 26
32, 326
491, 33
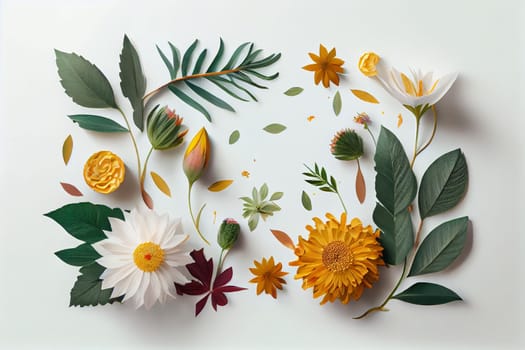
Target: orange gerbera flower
326, 66
268, 276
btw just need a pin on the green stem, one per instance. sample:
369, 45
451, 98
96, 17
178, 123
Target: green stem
372, 135
418, 233
133, 141
342, 203
434, 128
221, 261
143, 174
193, 217
418, 120
382, 306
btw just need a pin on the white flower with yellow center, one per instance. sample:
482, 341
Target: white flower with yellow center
419, 92
141, 256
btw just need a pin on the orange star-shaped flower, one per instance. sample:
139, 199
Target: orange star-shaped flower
326, 66
268, 276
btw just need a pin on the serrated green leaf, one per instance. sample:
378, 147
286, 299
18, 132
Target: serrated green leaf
87, 290
274, 128
186, 58
305, 199
337, 103
97, 123
82, 255
209, 97
189, 101
132, 81
84, 82
441, 247
424, 293
263, 191
397, 234
215, 63
396, 184
234, 137
294, 91
200, 60
276, 196
85, 221
444, 184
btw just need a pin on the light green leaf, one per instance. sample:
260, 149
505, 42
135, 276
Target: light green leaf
88, 291
82, 255
397, 234
84, 82
276, 196
441, 247
274, 128
337, 103
234, 137
263, 191
132, 81
97, 123
444, 184
294, 91
305, 199
423, 293
85, 221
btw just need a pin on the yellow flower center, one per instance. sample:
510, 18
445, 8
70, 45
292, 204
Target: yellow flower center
148, 256
337, 257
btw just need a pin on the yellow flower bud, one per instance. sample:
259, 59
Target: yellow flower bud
196, 156
367, 64
104, 171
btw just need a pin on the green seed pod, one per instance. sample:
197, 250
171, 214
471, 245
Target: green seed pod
228, 233
165, 129
347, 145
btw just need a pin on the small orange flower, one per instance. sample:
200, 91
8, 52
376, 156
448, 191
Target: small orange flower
104, 171
268, 276
326, 66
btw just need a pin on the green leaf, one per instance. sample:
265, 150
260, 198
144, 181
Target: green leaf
441, 247
235, 56
190, 101
97, 123
274, 128
215, 63
200, 61
176, 59
263, 191
424, 293
234, 137
397, 234
396, 184
276, 196
294, 91
337, 103
85, 221
253, 221
132, 81
82, 255
88, 288
443, 185
167, 62
187, 57
210, 97
84, 82
305, 199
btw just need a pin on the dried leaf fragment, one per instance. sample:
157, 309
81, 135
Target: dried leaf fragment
284, 239
71, 189
360, 186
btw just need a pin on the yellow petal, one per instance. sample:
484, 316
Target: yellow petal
160, 183
67, 149
364, 96
220, 185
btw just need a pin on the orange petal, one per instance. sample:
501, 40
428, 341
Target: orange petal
322, 51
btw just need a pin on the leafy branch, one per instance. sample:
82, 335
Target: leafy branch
319, 178
232, 78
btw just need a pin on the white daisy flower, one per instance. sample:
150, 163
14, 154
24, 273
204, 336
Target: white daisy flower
141, 256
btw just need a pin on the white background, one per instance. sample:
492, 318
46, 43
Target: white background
482, 40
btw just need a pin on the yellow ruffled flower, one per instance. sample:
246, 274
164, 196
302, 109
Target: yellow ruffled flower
326, 66
104, 171
367, 64
338, 260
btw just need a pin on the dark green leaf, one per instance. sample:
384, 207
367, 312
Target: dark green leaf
232, 82
423, 293
234, 137
396, 184
215, 81
234, 57
187, 58
82, 255
443, 184
132, 81
397, 234
441, 247
294, 91
88, 288
84, 82
200, 61
167, 63
274, 128
210, 97
190, 101
85, 221
176, 59
97, 123
260, 75
305, 199
215, 63
337, 103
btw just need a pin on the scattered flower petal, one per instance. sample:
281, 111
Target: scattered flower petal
399, 120
364, 96
220, 185
284, 239
245, 173
71, 189
67, 149
310, 118
160, 183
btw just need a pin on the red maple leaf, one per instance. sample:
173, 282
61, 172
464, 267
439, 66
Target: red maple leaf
202, 270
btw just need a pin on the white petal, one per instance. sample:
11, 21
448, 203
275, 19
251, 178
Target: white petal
152, 291
442, 87
138, 298
178, 259
140, 226
114, 246
174, 242
168, 285
122, 286
111, 276
160, 229
115, 261
122, 230
134, 284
